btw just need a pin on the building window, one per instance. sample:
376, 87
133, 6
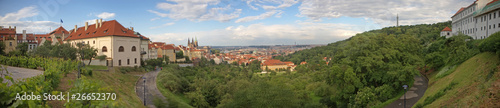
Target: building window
94, 41
135, 60
104, 49
10, 43
489, 27
119, 62
128, 61
133, 48
120, 49
88, 42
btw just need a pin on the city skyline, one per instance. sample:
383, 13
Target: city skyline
228, 23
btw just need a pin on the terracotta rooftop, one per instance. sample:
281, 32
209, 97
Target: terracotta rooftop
108, 28
59, 30
446, 29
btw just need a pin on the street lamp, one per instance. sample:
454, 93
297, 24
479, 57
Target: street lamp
144, 94
405, 86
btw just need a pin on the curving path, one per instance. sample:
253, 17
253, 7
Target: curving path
18, 73
151, 89
412, 95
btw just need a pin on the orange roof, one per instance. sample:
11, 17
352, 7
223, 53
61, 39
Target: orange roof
59, 30
167, 47
274, 62
109, 28
446, 29
6, 31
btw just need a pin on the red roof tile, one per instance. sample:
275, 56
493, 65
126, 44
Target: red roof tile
59, 30
109, 28
446, 29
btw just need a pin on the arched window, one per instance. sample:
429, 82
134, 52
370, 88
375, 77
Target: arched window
120, 49
128, 61
133, 48
119, 62
135, 60
94, 41
104, 49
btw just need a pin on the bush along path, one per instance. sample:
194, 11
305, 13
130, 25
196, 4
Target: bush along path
412, 95
151, 90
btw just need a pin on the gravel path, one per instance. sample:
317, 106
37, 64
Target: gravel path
19, 74
412, 95
151, 89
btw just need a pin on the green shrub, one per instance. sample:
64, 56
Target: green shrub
491, 44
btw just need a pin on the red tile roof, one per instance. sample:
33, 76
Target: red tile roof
446, 29
59, 30
491, 2
6, 31
274, 62
109, 28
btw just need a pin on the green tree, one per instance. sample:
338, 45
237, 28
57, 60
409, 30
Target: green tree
2, 48
86, 52
23, 48
179, 55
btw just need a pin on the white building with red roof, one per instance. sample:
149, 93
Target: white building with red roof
446, 32
121, 45
478, 20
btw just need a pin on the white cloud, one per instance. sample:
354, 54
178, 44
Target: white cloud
164, 25
261, 34
383, 12
153, 19
106, 15
19, 19
259, 17
196, 10
271, 4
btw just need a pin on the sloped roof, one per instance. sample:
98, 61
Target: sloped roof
108, 28
446, 29
59, 30
7, 31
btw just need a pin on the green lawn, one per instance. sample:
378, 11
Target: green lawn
122, 84
474, 78
96, 67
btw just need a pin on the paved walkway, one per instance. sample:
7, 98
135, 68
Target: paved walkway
18, 73
412, 95
151, 89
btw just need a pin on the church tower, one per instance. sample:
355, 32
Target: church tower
196, 42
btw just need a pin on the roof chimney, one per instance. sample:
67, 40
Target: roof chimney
86, 25
14, 28
10, 28
100, 23
96, 23
132, 28
75, 28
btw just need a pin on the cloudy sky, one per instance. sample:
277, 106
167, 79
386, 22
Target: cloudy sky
230, 22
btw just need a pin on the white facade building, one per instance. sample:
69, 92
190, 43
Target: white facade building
478, 20
120, 45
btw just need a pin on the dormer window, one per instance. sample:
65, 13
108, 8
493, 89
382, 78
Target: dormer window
79, 34
94, 32
87, 33
105, 31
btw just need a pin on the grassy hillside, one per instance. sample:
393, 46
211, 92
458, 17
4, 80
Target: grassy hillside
476, 84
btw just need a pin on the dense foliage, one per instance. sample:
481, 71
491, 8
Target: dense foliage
65, 51
362, 71
491, 44
46, 83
